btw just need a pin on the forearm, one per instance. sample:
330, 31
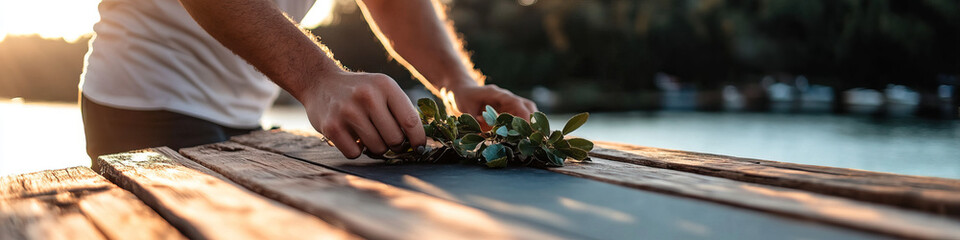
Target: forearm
415, 33
259, 32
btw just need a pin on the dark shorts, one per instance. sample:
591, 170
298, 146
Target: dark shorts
112, 130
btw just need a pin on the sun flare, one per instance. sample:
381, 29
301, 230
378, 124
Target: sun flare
73, 19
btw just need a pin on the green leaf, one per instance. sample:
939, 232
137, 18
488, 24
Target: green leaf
452, 124
497, 163
539, 122
445, 131
527, 138
553, 160
561, 144
441, 111
574, 153
555, 136
522, 126
428, 109
469, 123
575, 122
582, 144
493, 152
536, 138
526, 147
470, 141
558, 153
483, 146
490, 115
458, 148
502, 131
541, 153
429, 130
504, 119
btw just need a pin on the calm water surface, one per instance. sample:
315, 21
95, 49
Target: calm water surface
906, 146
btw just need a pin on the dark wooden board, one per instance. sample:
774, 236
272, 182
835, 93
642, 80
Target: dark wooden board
790, 202
930, 194
440, 180
74, 203
368, 208
205, 207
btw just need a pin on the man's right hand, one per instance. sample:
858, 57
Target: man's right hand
369, 107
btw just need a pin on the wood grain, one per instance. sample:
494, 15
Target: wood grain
205, 207
44, 219
75, 203
368, 208
281, 141
784, 201
176, 157
75, 179
935, 195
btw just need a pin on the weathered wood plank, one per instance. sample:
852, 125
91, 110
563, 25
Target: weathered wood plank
120, 215
75, 203
281, 141
778, 200
789, 202
368, 208
77, 179
204, 207
930, 194
33, 218
176, 157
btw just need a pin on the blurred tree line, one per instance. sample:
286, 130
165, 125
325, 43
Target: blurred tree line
40, 69
604, 54
612, 49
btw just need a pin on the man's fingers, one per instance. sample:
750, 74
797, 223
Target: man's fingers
531, 106
387, 126
515, 106
368, 135
407, 118
343, 140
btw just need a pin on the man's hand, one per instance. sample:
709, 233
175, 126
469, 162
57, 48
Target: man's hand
347, 107
419, 36
472, 100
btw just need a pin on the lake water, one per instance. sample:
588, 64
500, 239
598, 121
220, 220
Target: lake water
905, 145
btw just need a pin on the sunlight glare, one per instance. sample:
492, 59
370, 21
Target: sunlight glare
67, 19
40, 136
73, 19
319, 14
599, 211
450, 101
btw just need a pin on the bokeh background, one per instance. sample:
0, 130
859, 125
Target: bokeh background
870, 84
622, 55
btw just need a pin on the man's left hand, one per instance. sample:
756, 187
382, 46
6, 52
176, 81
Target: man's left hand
473, 99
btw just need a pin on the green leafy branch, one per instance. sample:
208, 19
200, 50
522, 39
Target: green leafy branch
511, 140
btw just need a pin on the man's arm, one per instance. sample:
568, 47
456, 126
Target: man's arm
344, 106
417, 34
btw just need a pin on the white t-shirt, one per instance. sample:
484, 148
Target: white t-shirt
151, 55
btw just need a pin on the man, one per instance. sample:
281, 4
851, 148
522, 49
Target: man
163, 73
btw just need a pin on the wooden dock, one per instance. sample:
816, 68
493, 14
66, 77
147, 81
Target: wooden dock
283, 185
